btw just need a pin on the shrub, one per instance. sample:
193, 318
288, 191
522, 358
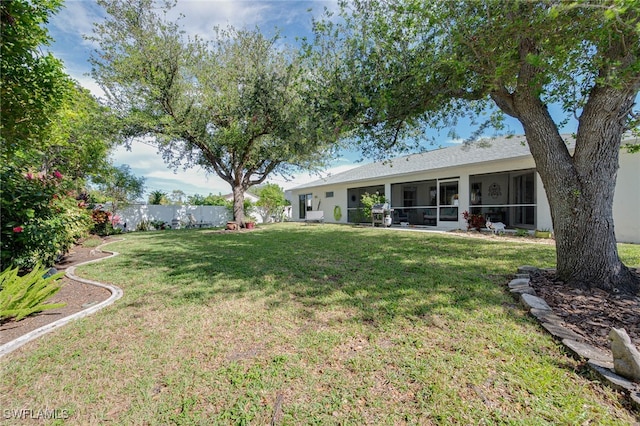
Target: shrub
159, 224
368, 200
23, 296
104, 222
41, 219
144, 225
474, 221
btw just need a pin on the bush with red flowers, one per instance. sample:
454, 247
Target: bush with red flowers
41, 219
104, 222
474, 221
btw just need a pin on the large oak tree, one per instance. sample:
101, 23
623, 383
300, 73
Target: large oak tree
401, 65
237, 106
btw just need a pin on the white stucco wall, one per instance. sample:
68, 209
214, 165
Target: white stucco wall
626, 200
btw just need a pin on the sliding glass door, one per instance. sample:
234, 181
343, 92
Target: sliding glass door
448, 200
304, 205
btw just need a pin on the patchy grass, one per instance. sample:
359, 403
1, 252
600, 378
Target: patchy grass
309, 325
92, 241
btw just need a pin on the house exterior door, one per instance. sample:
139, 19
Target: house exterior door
304, 205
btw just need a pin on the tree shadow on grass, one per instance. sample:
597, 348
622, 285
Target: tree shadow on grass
377, 274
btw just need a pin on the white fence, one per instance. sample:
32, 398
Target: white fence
173, 215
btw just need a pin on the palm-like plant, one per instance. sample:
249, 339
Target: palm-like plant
157, 197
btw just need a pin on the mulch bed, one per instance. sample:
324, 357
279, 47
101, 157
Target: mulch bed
77, 296
590, 313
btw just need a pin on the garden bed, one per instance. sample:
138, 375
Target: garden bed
77, 296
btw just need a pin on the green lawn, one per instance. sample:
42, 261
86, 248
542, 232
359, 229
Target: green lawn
310, 325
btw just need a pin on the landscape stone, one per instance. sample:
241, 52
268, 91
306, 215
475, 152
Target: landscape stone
604, 364
523, 289
618, 382
534, 302
560, 331
545, 315
598, 360
591, 353
635, 399
50, 272
526, 269
626, 358
518, 282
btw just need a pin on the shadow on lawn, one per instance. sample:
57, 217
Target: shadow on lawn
377, 274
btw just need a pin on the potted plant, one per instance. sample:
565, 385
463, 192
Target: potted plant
250, 223
454, 199
542, 233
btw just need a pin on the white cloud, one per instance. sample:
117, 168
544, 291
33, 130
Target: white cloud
200, 17
146, 162
302, 178
77, 18
91, 85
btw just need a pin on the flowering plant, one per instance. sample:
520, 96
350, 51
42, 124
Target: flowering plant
104, 222
41, 218
474, 221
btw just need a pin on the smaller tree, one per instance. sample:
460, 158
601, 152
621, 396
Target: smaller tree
79, 140
209, 200
158, 197
33, 85
271, 201
195, 200
217, 200
368, 201
177, 196
241, 107
120, 187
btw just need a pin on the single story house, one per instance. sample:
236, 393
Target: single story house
496, 178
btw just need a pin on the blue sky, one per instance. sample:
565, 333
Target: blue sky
293, 18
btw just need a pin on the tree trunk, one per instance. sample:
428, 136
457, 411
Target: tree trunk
238, 204
582, 213
580, 190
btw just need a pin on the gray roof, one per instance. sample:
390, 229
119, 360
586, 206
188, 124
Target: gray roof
482, 151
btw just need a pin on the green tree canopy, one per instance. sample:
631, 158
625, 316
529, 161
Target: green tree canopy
158, 197
177, 196
398, 67
120, 187
80, 138
209, 200
236, 106
33, 85
270, 201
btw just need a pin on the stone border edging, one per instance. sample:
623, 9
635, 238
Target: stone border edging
116, 293
599, 361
